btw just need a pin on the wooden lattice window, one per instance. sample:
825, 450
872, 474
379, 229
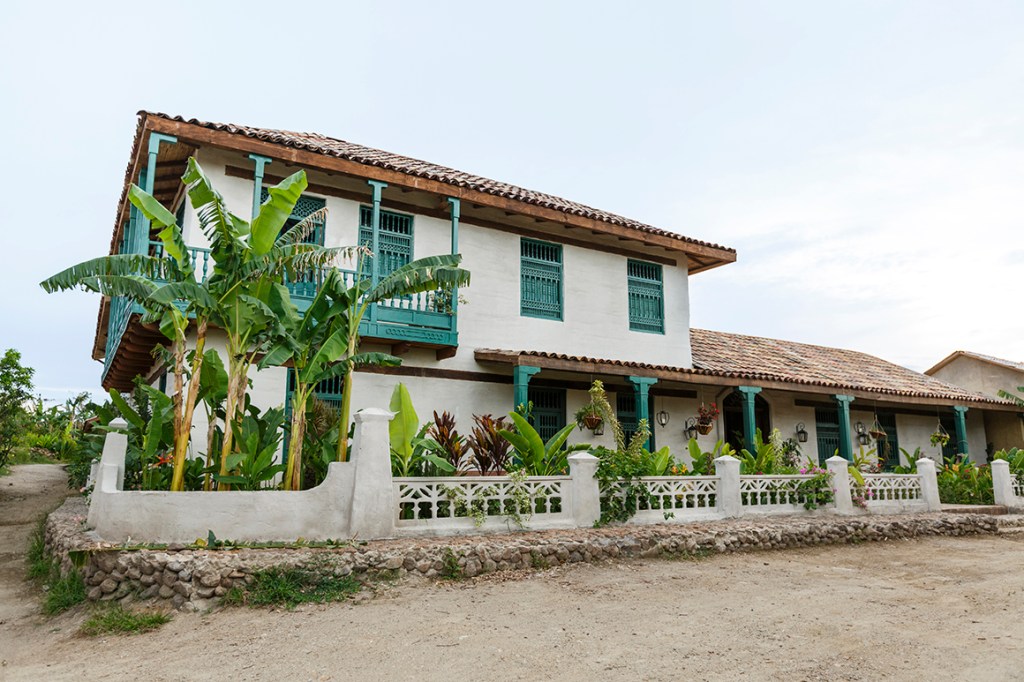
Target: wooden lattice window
646, 297
394, 239
540, 265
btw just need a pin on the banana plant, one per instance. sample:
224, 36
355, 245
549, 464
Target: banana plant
533, 454
249, 260
313, 344
412, 453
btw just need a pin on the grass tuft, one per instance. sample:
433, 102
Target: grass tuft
120, 621
290, 587
63, 592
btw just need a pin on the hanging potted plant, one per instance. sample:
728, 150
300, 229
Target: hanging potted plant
588, 416
940, 437
706, 417
876, 431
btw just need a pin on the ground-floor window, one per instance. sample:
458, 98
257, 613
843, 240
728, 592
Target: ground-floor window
548, 410
889, 447
625, 412
826, 424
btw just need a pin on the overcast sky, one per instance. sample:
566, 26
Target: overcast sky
866, 159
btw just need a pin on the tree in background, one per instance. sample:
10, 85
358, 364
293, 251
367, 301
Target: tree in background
15, 389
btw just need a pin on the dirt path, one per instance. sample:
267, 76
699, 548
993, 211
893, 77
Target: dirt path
936, 609
29, 492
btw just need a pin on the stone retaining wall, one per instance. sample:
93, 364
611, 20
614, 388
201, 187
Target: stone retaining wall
191, 578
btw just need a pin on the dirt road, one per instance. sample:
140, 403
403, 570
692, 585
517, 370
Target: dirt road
935, 609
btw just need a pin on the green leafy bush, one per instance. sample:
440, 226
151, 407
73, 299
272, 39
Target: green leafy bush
963, 482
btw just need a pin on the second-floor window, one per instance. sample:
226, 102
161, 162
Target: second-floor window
394, 239
646, 297
304, 207
540, 266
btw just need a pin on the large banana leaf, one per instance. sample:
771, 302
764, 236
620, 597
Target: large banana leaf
423, 274
275, 211
405, 425
92, 271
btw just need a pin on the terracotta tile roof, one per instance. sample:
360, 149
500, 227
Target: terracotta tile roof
991, 359
757, 359
801, 363
329, 146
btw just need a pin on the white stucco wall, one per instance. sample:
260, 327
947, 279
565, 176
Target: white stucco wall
979, 376
596, 313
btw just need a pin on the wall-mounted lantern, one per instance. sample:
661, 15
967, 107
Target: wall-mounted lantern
862, 433
801, 433
662, 418
691, 428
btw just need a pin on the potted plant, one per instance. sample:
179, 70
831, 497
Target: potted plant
940, 437
588, 416
706, 417
876, 431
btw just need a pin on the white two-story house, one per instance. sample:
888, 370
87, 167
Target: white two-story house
561, 294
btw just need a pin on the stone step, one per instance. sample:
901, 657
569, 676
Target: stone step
988, 509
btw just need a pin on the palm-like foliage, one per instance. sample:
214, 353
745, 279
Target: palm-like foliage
425, 274
313, 344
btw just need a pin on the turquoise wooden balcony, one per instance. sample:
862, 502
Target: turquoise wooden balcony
426, 319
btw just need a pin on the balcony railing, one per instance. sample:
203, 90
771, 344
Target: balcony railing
428, 317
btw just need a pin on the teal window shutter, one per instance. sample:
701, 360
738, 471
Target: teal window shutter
646, 297
394, 241
540, 266
548, 410
826, 424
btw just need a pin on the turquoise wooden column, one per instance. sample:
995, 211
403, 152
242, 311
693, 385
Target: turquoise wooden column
377, 188
521, 381
749, 394
845, 435
960, 424
147, 180
257, 180
456, 211
642, 392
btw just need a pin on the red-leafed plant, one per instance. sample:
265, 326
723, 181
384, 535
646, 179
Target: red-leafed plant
490, 449
444, 434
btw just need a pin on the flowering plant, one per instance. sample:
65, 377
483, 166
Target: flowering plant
707, 414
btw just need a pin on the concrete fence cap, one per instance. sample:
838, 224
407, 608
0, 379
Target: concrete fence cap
373, 414
837, 458
583, 457
118, 423
726, 458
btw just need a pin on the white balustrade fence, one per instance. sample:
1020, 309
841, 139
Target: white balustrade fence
360, 498
781, 494
1008, 487
469, 502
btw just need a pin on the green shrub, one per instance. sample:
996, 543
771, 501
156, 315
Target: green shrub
963, 482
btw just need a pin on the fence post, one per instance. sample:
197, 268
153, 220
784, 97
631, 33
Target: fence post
839, 468
586, 493
929, 483
373, 504
1002, 483
727, 500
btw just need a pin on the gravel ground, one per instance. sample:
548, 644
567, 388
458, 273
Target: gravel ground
945, 608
